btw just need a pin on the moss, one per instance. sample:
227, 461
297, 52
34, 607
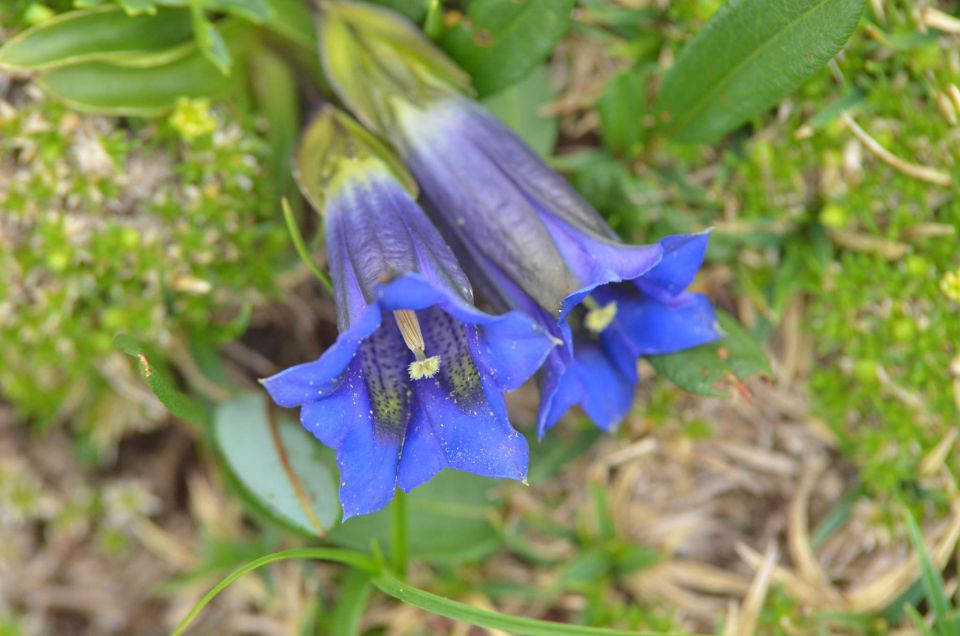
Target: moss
137, 229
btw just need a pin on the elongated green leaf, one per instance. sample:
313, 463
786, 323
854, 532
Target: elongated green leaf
749, 56
702, 369
518, 625
346, 557
179, 404
123, 90
448, 521
521, 108
96, 35
403, 591
933, 586
500, 41
278, 462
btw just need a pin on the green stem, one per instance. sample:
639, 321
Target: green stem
400, 534
346, 557
302, 246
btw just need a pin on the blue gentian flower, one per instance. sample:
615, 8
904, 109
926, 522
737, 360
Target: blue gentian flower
414, 382
545, 251
525, 234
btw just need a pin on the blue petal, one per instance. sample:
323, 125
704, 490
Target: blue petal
683, 255
598, 261
467, 436
314, 380
655, 327
511, 349
368, 463
330, 418
559, 391
367, 456
607, 390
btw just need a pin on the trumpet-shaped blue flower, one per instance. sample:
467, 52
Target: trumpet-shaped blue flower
543, 250
414, 382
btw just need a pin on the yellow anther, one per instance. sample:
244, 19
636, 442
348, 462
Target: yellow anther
422, 366
598, 318
425, 368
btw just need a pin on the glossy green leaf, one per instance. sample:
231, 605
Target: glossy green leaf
285, 468
704, 369
749, 56
256, 11
292, 20
447, 521
209, 39
500, 41
178, 403
97, 35
521, 108
124, 90
137, 7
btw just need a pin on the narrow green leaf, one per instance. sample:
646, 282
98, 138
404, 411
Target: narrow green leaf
749, 56
278, 462
355, 591
179, 404
518, 625
447, 521
933, 586
521, 108
500, 41
96, 35
124, 90
346, 557
405, 592
702, 369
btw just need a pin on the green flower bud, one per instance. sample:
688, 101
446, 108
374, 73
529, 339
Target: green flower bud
373, 56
